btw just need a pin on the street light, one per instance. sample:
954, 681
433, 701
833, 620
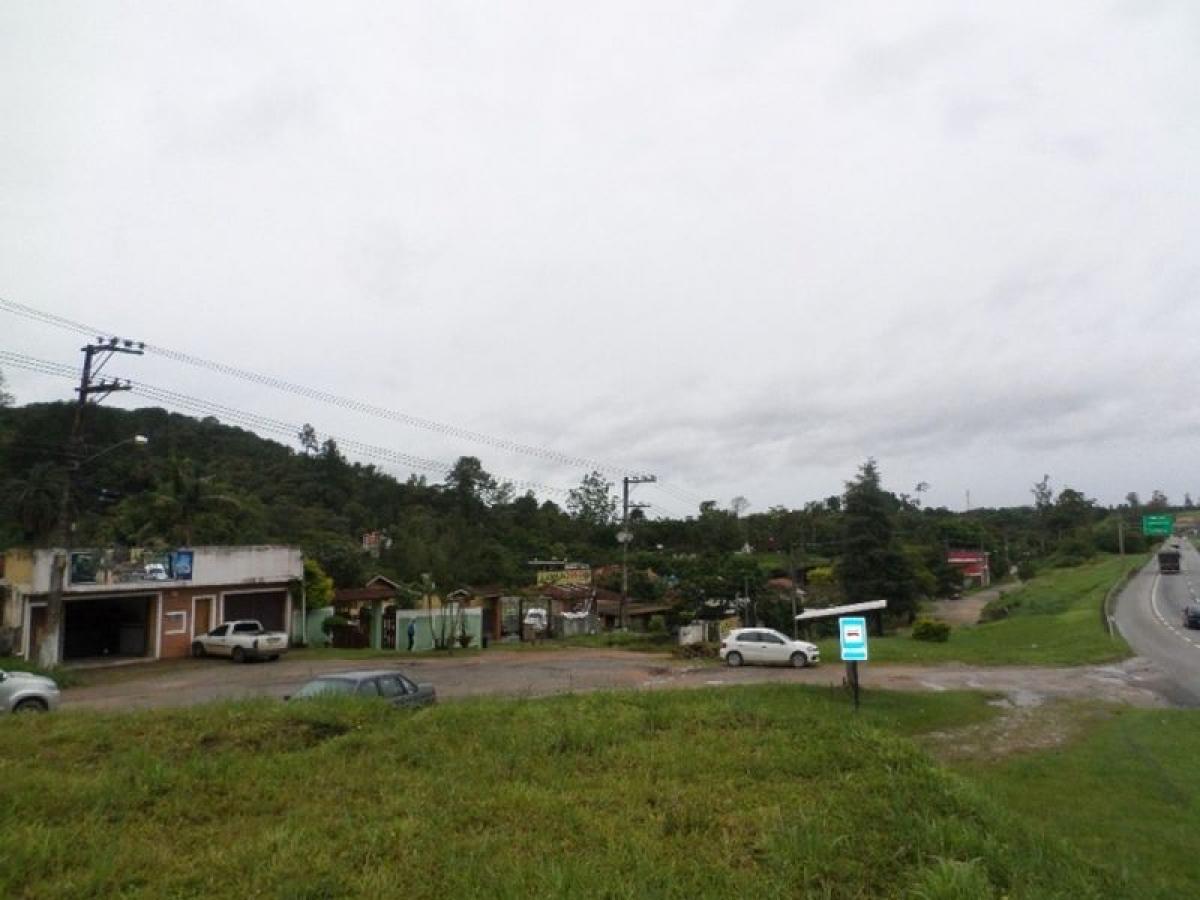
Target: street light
48, 652
139, 440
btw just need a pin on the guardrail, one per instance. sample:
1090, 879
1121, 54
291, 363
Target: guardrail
1108, 609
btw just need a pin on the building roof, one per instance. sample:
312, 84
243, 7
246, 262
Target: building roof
345, 596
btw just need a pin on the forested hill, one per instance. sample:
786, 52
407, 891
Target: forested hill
198, 481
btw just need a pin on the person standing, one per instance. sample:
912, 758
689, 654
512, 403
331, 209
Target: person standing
412, 633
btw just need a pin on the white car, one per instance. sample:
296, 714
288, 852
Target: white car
26, 692
242, 641
766, 646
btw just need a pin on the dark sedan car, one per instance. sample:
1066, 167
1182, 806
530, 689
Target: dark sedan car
394, 687
1191, 615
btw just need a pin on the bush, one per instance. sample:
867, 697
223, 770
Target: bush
709, 650
464, 639
332, 622
1025, 570
931, 630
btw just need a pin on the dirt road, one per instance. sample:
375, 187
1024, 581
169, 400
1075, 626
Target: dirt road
185, 682
967, 609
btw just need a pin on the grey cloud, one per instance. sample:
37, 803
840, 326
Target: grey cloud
744, 246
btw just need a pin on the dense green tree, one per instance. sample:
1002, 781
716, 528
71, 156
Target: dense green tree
873, 566
33, 501
201, 481
308, 439
318, 587
593, 502
6, 399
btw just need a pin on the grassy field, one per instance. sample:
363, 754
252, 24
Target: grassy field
1124, 792
1054, 620
770, 791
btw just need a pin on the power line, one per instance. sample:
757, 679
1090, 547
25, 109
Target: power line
259, 422
322, 396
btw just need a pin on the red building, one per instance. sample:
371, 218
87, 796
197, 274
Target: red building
973, 564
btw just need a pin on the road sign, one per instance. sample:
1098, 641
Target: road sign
1158, 526
853, 631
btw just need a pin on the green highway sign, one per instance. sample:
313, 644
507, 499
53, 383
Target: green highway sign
1158, 526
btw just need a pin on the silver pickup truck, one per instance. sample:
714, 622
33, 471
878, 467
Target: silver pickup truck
242, 641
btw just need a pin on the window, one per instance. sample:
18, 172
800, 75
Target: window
750, 637
368, 688
175, 623
408, 685
326, 686
768, 638
390, 686
219, 631
246, 628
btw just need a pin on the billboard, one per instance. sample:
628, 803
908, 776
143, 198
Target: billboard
130, 565
570, 573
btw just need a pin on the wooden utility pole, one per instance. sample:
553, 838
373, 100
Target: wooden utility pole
625, 536
50, 652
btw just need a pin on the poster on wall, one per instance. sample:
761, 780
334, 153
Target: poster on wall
130, 565
181, 565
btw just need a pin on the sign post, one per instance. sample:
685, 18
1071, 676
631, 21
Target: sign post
853, 633
1158, 526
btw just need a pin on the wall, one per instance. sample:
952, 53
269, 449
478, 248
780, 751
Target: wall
212, 566
428, 623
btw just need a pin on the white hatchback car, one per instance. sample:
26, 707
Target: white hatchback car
766, 646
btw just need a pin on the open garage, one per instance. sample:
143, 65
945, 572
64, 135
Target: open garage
268, 607
101, 627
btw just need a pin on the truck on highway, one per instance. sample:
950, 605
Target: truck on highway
1168, 562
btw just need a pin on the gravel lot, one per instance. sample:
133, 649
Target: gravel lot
534, 673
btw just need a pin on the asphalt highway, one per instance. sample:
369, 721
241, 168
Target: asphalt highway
1150, 617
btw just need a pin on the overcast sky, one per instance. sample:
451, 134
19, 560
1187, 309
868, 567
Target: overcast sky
740, 245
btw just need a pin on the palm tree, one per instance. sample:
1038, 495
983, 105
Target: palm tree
35, 499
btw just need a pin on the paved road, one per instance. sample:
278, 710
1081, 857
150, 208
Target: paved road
1150, 617
533, 674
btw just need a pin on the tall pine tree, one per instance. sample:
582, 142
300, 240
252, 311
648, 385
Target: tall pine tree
873, 565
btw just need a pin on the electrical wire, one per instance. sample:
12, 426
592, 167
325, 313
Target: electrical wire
317, 394
501, 443
257, 422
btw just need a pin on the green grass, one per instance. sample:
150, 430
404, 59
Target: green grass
1054, 620
1125, 793
768, 791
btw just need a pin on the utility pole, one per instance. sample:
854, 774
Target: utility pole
625, 536
49, 652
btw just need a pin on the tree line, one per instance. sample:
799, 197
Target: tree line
199, 481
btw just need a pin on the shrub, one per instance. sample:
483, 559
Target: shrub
709, 650
931, 630
333, 621
1025, 570
464, 639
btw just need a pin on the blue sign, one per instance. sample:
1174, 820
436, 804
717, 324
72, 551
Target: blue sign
853, 630
181, 565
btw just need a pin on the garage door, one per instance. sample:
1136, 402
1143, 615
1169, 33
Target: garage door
269, 608
105, 627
